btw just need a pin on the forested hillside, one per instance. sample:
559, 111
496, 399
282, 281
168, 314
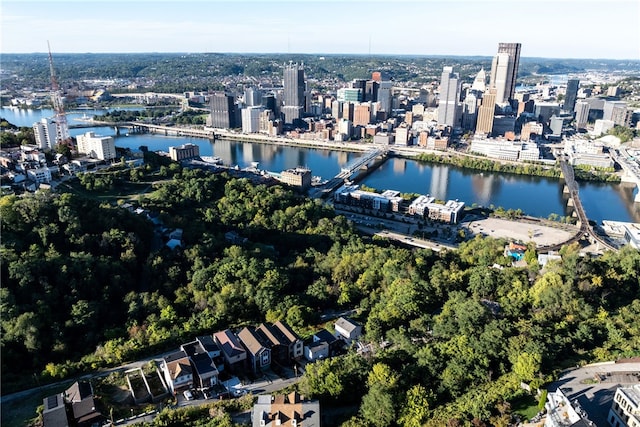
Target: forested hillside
86, 285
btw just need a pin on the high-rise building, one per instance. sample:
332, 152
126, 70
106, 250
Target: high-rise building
449, 96
362, 114
616, 111
582, 114
347, 94
45, 133
385, 96
571, 95
294, 85
184, 152
251, 119
223, 110
486, 112
469, 112
97, 147
252, 97
504, 70
480, 81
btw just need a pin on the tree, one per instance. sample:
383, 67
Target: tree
415, 409
377, 407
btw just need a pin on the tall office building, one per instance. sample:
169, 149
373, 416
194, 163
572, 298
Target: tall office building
294, 89
385, 95
294, 85
486, 113
571, 95
504, 70
449, 96
252, 97
582, 114
223, 110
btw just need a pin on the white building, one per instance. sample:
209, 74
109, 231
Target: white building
625, 409
97, 147
563, 413
251, 119
40, 175
45, 133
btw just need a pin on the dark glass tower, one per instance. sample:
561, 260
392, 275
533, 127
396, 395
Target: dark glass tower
571, 95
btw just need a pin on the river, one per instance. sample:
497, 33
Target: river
535, 196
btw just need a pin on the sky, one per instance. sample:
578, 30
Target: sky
607, 29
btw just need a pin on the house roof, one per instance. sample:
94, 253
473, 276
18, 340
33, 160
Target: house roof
281, 410
346, 324
273, 335
251, 340
54, 413
207, 342
192, 348
228, 343
178, 364
78, 391
203, 364
287, 331
324, 335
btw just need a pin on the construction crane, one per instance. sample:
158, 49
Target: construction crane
62, 128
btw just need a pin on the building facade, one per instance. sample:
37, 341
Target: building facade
449, 96
97, 147
184, 152
504, 70
223, 110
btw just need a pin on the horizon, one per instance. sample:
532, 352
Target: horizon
564, 29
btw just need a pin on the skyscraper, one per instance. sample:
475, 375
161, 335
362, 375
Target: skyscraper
223, 110
293, 92
449, 95
294, 85
571, 95
504, 70
486, 112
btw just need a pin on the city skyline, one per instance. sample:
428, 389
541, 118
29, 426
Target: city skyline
562, 29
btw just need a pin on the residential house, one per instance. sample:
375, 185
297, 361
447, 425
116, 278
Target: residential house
316, 350
295, 343
177, 371
285, 411
205, 373
286, 345
212, 349
278, 344
54, 413
335, 344
233, 352
83, 406
259, 355
347, 329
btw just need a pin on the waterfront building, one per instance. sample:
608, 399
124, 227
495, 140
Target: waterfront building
97, 147
387, 201
486, 113
504, 70
426, 206
402, 136
223, 110
297, 177
294, 93
582, 114
505, 150
586, 152
265, 121
449, 96
362, 114
625, 409
45, 133
251, 119
184, 152
571, 95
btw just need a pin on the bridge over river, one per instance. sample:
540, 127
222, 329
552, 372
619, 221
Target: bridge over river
586, 230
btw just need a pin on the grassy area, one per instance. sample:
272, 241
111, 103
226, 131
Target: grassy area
126, 190
525, 405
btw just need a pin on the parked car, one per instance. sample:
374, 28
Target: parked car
188, 395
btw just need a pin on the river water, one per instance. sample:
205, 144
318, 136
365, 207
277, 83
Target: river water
535, 196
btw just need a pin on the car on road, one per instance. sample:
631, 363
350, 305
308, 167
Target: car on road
187, 394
